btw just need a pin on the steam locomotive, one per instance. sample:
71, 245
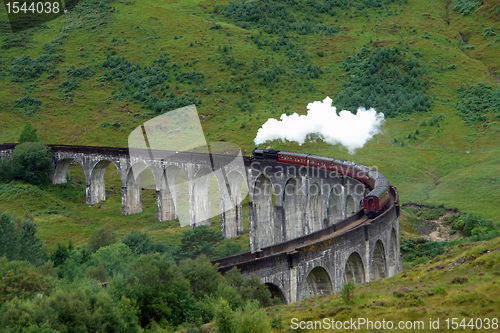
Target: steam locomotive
373, 203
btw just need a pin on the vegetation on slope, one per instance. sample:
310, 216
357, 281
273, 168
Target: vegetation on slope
459, 283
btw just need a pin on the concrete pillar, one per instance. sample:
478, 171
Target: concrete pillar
165, 208
199, 198
368, 267
293, 284
131, 194
262, 226
96, 188
231, 208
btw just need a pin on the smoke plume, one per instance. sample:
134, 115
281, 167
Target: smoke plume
350, 130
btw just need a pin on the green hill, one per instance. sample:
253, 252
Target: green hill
459, 284
94, 74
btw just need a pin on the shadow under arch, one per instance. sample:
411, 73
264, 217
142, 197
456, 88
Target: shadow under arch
293, 222
354, 269
335, 209
350, 206
70, 171
378, 265
314, 209
61, 170
263, 225
318, 282
132, 196
97, 186
393, 251
276, 292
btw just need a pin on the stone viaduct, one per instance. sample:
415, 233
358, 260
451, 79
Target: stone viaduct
308, 232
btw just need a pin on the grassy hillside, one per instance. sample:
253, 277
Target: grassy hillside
462, 284
101, 70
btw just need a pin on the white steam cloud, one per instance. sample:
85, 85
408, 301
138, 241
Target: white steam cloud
350, 130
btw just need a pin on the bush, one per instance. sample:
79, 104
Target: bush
25, 68
197, 241
347, 292
383, 79
87, 309
31, 161
224, 317
251, 319
465, 7
27, 105
100, 238
82, 72
68, 86
162, 293
8, 237
422, 249
28, 134
22, 282
476, 101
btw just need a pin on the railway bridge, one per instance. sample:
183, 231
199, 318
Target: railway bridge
308, 232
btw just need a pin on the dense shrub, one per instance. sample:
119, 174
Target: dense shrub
149, 84
476, 101
18, 39
274, 17
27, 105
31, 161
79, 310
162, 293
140, 243
465, 7
28, 134
384, 79
26, 68
20, 280
421, 249
82, 72
68, 86
197, 241
100, 238
473, 225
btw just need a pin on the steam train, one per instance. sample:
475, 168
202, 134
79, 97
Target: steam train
373, 203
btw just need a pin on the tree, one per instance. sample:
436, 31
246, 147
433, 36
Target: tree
199, 240
31, 161
116, 259
203, 276
161, 292
30, 243
251, 319
28, 134
139, 242
8, 237
224, 317
100, 238
59, 255
22, 281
